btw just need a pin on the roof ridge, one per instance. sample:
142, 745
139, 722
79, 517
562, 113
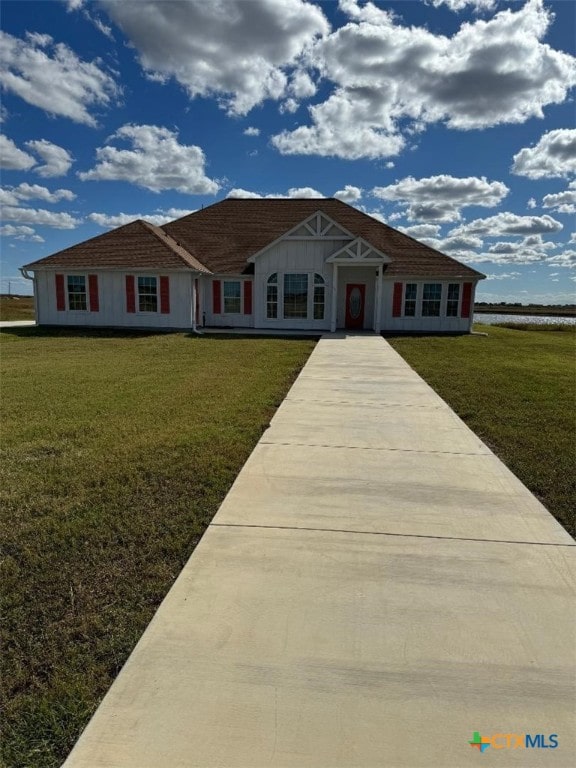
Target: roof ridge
177, 248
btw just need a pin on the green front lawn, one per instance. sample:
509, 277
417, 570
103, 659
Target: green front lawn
116, 452
517, 390
16, 308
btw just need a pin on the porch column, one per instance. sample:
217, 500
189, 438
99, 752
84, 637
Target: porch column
194, 302
334, 305
378, 312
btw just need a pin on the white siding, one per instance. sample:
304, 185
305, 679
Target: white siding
223, 320
289, 256
112, 300
418, 323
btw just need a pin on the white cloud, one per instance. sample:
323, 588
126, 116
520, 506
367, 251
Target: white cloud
7, 197
440, 198
531, 243
565, 259
21, 233
60, 83
12, 158
250, 131
57, 160
562, 202
488, 73
460, 5
111, 221
506, 223
293, 192
233, 49
419, 231
27, 191
157, 161
504, 276
40, 217
532, 203
349, 194
553, 156
348, 126
572, 238
301, 85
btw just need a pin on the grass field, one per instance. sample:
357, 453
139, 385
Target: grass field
116, 452
16, 308
517, 390
118, 449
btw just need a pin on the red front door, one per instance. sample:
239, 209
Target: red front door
355, 295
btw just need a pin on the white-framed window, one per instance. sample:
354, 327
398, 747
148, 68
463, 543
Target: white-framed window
76, 289
147, 294
410, 291
272, 297
431, 299
318, 297
453, 300
295, 295
232, 297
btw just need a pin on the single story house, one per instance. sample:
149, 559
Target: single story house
273, 264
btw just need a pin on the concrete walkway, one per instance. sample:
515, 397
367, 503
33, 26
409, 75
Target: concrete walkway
16, 323
375, 587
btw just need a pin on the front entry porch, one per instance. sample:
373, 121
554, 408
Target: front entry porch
357, 277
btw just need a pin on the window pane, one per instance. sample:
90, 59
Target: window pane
295, 296
453, 291
272, 302
431, 297
318, 302
232, 297
410, 299
147, 303
318, 279
273, 278
147, 294
77, 292
432, 291
147, 285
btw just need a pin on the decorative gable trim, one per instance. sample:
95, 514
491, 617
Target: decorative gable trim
319, 226
358, 251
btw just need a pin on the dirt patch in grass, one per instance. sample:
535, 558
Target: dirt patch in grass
117, 450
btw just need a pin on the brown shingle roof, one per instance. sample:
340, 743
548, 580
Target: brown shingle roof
138, 245
221, 238
225, 234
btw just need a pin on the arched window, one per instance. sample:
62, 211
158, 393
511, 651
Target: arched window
272, 297
319, 297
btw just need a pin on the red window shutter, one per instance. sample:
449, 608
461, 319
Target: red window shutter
165, 295
216, 297
247, 297
397, 300
130, 294
60, 296
197, 283
93, 291
466, 299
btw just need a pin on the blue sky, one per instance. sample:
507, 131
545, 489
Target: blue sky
453, 120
